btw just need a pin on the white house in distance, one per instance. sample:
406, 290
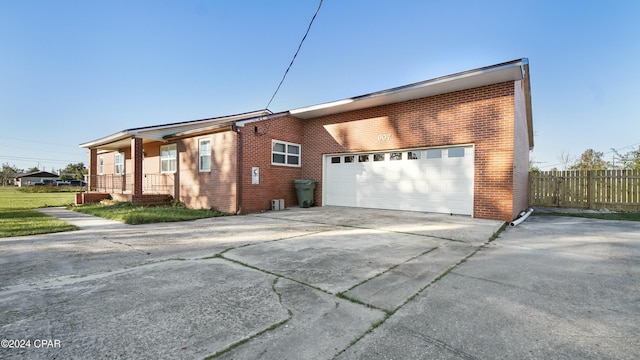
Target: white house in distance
25, 180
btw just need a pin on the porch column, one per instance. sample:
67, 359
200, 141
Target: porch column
136, 157
92, 181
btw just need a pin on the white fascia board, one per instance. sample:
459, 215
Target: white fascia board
460, 81
107, 139
242, 123
157, 133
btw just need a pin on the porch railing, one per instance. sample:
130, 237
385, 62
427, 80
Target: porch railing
123, 184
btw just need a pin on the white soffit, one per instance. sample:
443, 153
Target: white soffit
510, 71
159, 132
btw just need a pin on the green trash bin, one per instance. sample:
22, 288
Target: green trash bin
304, 189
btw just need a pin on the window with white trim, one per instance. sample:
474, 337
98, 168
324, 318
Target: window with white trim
168, 158
456, 152
413, 155
119, 163
434, 154
285, 153
204, 155
100, 165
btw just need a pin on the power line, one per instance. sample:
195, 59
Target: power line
21, 158
294, 55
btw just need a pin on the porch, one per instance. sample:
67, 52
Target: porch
156, 189
156, 184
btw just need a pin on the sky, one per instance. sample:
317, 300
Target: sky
72, 71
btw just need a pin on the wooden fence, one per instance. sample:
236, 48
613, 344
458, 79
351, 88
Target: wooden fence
617, 190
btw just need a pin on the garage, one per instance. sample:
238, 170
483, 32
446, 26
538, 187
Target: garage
429, 179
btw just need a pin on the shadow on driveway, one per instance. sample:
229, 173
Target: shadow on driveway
300, 283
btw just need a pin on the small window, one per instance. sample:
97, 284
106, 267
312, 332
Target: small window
413, 155
363, 158
204, 155
349, 159
100, 165
395, 156
335, 159
456, 152
284, 153
378, 157
168, 158
434, 154
119, 163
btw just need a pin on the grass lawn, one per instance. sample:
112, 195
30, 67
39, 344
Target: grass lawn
17, 217
135, 214
628, 216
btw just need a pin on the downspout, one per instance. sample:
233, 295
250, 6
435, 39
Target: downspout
238, 131
522, 217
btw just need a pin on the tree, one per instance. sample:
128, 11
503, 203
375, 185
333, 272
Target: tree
32, 170
75, 171
565, 160
7, 174
533, 166
590, 160
629, 160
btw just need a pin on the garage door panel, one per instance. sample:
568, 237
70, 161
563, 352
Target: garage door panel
424, 184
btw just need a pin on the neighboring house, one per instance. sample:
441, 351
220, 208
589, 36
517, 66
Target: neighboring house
455, 144
38, 177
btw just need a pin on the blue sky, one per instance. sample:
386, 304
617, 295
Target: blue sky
72, 71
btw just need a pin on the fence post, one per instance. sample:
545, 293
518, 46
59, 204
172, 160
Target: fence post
591, 189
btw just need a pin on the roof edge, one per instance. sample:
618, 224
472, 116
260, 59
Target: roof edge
142, 131
462, 80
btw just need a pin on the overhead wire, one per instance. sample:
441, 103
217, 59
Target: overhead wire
294, 55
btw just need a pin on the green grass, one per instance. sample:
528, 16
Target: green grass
51, 189
135, 214
627, 216
17, 217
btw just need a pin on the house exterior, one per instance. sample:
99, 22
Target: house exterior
456, 144
24, 180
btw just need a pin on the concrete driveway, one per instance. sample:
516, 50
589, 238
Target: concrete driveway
323, 283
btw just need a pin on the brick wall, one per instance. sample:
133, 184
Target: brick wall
276, 181
215, 188
86, 198
521, 152
482, 116
152, 157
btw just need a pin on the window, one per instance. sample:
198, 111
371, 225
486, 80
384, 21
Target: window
100, 165
434, 154
378, 157
395, 156
456, 152
204, 155
119, 163
413, 155
349, 158
363, 158
168, 158
284, 153
335, 159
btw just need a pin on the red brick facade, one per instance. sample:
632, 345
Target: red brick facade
215, 188
492, 118
276, 181
484, 117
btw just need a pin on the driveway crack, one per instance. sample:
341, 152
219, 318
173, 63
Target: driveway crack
270, 328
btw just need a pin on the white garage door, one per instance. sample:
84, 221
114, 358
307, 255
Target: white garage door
432, 180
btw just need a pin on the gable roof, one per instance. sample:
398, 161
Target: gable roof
509, 71
515, 70
162, 132
38, 174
